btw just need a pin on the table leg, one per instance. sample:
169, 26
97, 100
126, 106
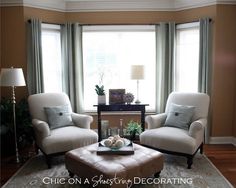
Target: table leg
143, 119
99, 126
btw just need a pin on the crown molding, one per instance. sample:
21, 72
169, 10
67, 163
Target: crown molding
58, 5
114, 5
186, 4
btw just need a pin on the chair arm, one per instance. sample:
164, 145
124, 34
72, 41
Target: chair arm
41, 128
82, 120
155, 121
197, 127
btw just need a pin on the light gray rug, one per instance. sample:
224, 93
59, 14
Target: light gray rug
175, 174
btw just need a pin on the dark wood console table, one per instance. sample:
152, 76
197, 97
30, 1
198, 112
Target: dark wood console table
120, 107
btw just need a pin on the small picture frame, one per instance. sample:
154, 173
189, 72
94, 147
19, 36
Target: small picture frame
116, 96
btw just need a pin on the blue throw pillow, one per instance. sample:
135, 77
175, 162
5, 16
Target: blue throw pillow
58, 116
179, 116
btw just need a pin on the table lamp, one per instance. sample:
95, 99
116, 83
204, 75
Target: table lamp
137, 73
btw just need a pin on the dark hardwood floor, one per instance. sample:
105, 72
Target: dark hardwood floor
222, 156
9, 166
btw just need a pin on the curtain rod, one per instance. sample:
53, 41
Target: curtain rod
29, 21
211, 20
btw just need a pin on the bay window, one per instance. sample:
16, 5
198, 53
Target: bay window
110, 51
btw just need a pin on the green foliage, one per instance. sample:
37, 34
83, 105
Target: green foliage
23, 120
134, 127
6, 113
99, 90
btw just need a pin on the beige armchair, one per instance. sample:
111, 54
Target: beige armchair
174, 140
58, 140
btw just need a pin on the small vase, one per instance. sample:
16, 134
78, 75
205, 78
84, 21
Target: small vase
101, 99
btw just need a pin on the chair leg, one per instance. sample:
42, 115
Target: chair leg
71, 174
48, 161
157, 174
36, 148
201, 148
189, 161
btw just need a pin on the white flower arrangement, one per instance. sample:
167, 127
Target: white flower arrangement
128, 98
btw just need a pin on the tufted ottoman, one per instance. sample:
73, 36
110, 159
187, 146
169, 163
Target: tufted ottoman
113, 170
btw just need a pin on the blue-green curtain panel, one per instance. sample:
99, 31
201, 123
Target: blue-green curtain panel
204, 82
165, 42
204, 56
72, 63
34, 58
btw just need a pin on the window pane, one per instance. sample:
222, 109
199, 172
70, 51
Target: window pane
52, 69
187, 59
110, 54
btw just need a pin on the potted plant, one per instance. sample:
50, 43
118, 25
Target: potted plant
23, 122
133, 128
101, 94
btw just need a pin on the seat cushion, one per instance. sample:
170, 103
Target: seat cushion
68, 138
170, 139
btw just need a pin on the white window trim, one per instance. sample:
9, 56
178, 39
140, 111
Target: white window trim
110, 28
51, 26
187, 25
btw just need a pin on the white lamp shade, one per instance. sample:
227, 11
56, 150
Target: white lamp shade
137, 72
12, 77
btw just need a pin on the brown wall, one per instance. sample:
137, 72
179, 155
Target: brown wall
234, 124
13, 35
44, 15
120, 17
13, 43
224, 75
141, 17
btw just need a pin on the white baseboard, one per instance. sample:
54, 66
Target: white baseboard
223, 140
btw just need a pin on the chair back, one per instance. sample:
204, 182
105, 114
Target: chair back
199, 100
37, 102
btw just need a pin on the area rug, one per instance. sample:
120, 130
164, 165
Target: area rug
175, 174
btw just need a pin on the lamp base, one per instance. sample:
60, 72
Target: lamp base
137, 101
16, 161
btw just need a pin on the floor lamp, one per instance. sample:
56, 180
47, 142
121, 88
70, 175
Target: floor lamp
137, 73
13, 77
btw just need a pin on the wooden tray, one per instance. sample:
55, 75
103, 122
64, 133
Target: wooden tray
126, 150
